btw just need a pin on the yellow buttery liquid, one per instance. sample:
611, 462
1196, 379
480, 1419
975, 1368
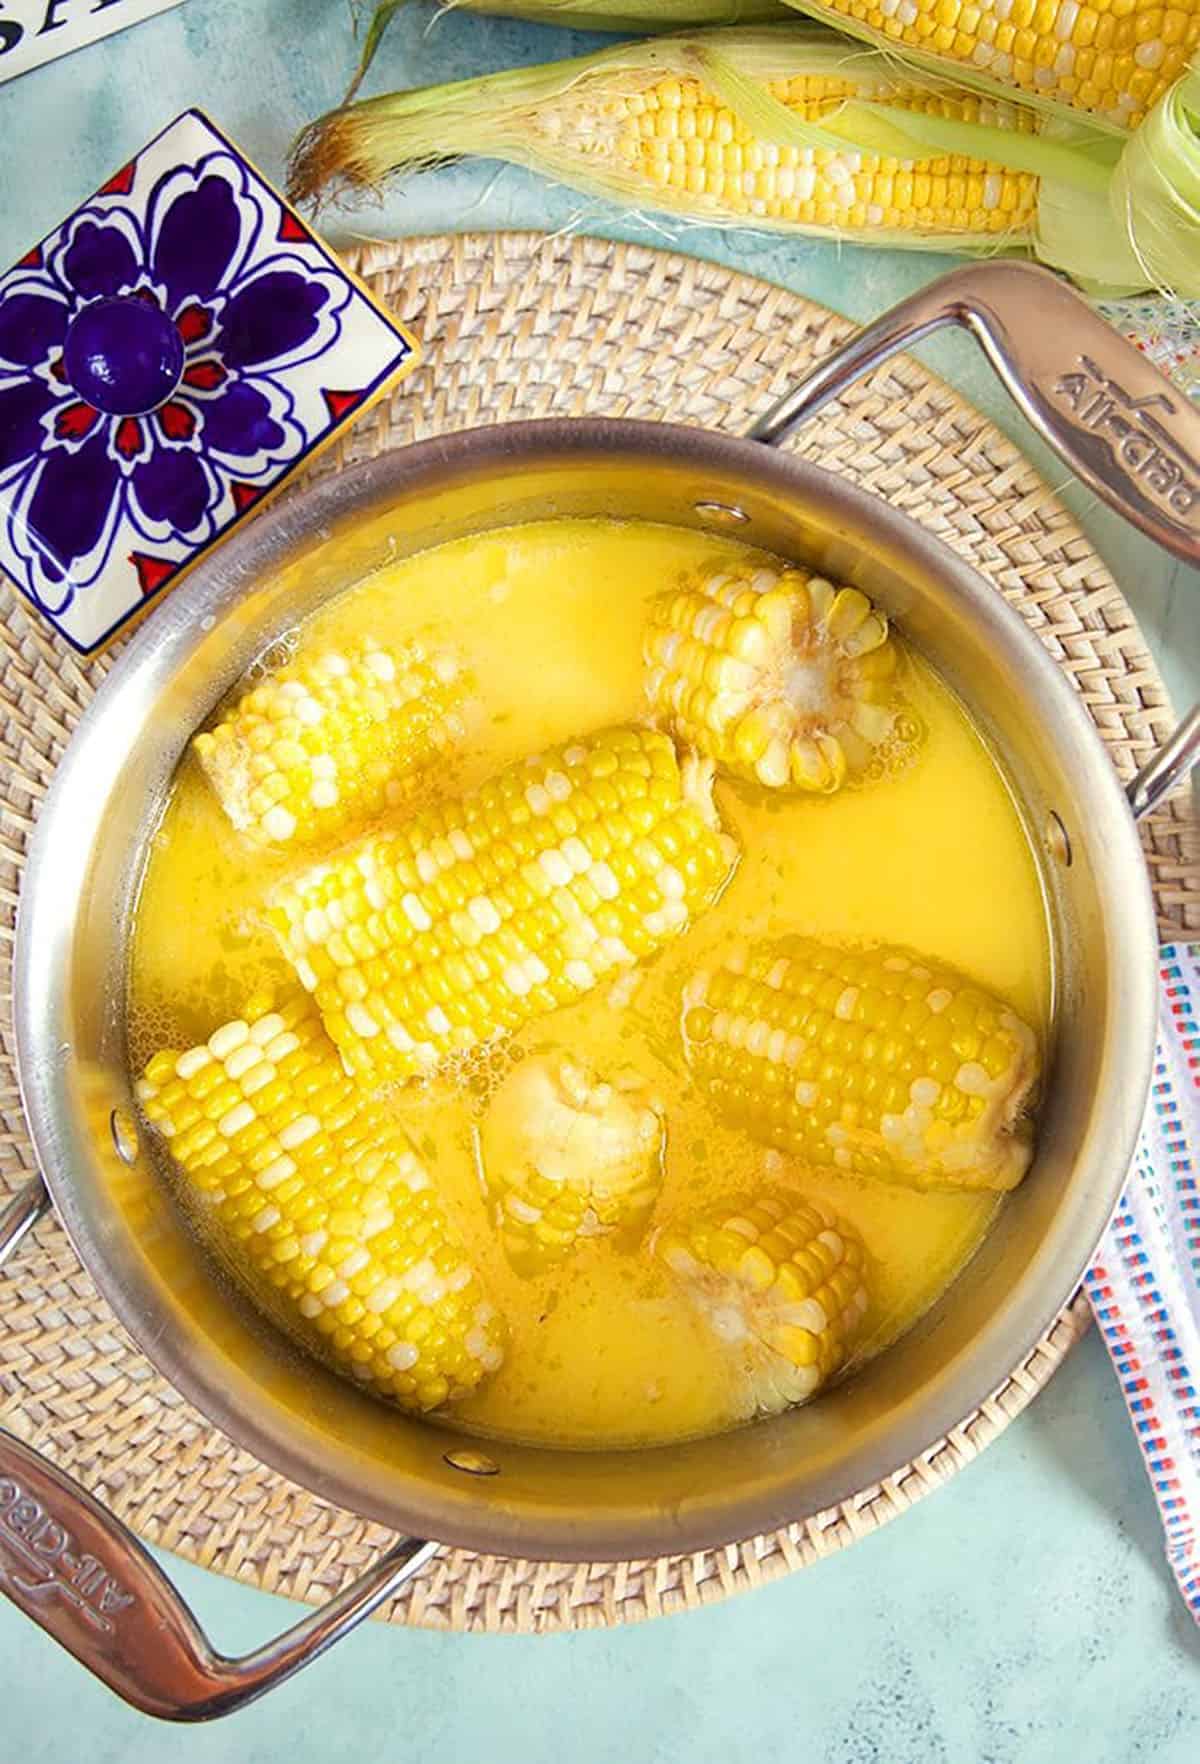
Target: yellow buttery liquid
548, 618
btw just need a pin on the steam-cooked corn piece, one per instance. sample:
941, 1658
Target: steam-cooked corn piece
479, 916
319, 1206
569, 1155
780, 677
1115, 57
877, 1061
782, 1283
332, 739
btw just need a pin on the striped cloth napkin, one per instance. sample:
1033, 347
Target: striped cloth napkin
1144, 1286
1168, 331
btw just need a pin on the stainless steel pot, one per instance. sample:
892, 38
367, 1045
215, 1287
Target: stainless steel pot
73, 1567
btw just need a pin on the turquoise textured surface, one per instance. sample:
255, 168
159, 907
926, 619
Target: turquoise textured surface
1024, 1614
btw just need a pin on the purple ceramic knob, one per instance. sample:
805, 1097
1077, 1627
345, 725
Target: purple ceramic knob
123, 355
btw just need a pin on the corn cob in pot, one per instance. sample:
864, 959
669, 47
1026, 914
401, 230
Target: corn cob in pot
782, 1284
480, 915
331, 740
780, 677
317, 1204
569, 1155
876, 1062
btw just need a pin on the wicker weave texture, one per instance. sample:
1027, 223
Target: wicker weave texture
520, 326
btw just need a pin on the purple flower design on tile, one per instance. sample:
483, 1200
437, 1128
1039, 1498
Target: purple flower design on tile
145, 359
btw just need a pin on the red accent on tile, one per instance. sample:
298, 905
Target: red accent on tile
75, 421
178, 422
340, 403
121, 183
293, 230
58, 369
193, 323
244, 495
129, 437
205, 376
152, 572
32, 259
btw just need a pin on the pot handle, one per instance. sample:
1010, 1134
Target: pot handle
1167, 768
1117, 421
27, 1206
82, 1576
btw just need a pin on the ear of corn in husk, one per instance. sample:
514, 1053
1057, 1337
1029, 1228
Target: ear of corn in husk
789, 127
1076, 62
877, 1062
332, 740
482, 914
781, 678
676, 123
1113, 60
569, 1155
1153, 198
781, 1282
319, 1207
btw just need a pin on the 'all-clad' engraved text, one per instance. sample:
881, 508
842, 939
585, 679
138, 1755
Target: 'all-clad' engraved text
39, 1560
1140, 443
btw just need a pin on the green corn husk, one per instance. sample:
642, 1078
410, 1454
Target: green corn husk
614, 15
1115, 211
1152, 208
629, 17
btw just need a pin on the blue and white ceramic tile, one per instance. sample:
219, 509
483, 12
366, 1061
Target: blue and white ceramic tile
171, 353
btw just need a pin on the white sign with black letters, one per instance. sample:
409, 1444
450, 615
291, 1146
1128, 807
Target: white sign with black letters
34, 31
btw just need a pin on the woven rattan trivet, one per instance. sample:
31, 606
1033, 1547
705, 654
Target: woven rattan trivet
520, 326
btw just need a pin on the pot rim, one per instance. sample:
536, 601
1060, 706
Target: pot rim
213, 589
